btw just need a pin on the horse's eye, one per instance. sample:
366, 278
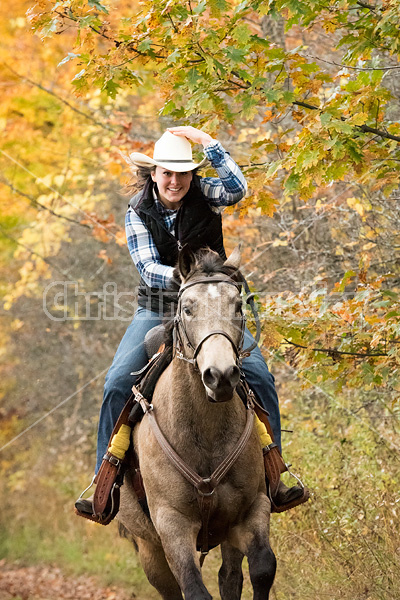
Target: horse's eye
238, 307
187, 310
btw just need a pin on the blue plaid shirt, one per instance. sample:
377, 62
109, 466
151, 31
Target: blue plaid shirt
225, 190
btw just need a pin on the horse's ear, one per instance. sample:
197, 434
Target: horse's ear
186, 261
234, 258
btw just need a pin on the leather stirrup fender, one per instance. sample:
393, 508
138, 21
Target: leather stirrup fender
274, 467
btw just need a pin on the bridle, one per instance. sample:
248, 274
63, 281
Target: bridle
180, 332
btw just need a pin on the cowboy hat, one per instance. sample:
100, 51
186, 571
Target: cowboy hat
172, 152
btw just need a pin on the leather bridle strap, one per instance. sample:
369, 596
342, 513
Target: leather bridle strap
226, 279
178, 321
205, 486
208, 335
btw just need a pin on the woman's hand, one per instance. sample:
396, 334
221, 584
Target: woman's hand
191, 133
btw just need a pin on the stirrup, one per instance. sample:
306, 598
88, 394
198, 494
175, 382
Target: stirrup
274, 466
279, 508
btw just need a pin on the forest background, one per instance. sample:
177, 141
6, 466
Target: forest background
305, 96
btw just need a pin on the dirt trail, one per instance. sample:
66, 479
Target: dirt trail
49, 583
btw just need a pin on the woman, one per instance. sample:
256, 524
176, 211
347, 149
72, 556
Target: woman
175, 207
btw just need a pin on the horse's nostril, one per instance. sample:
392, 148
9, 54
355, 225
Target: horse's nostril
212, 377
232, 374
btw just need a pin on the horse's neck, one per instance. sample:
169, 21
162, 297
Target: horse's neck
183, 401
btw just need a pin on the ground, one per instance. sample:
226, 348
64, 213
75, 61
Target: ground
49, 583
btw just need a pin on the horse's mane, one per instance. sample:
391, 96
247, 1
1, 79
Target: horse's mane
208, 263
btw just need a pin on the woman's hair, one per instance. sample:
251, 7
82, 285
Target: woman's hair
139, 180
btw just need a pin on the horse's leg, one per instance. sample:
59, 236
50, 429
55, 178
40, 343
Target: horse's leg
252, 538
178, 536
230, 576
157, 570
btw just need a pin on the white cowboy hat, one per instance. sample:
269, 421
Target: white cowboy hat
172, 152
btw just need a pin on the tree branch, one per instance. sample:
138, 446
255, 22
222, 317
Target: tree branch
366, 5
38, 204
41, 87
332, 351
364, 128
33, 252
329, 62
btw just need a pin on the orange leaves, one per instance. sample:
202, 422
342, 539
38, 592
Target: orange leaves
103, 229
261, 197
268, 116
120, 238
103, 255
267, 203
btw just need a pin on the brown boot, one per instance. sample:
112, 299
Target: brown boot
85, 505
282, 497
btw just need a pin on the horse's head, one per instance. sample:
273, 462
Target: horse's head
209, 322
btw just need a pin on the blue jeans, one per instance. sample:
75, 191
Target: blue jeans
131, 356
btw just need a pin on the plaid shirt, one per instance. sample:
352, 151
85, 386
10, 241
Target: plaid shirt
225, 190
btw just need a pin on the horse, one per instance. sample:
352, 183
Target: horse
202, 420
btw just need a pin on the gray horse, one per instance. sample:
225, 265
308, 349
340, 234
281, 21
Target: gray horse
201, 415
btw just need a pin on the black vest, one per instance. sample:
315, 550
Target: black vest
196, 225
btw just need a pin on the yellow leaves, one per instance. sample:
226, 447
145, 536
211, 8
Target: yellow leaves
265, 200
115, 169
298, 115
58, 180
267, 203
359, 119
356, 205
329, 26
16, 324
279, 242
120, 238
369, 246
315, 85
271, 337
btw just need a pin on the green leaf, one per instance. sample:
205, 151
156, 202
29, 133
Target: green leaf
98, 5
242, 34
341, 126
235, 54
325, 118
200, 8
111, 87
144, 45
168, 107
346, 280
309, 67
172, 58
292, 183
49, 28
217, 7
307, 158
